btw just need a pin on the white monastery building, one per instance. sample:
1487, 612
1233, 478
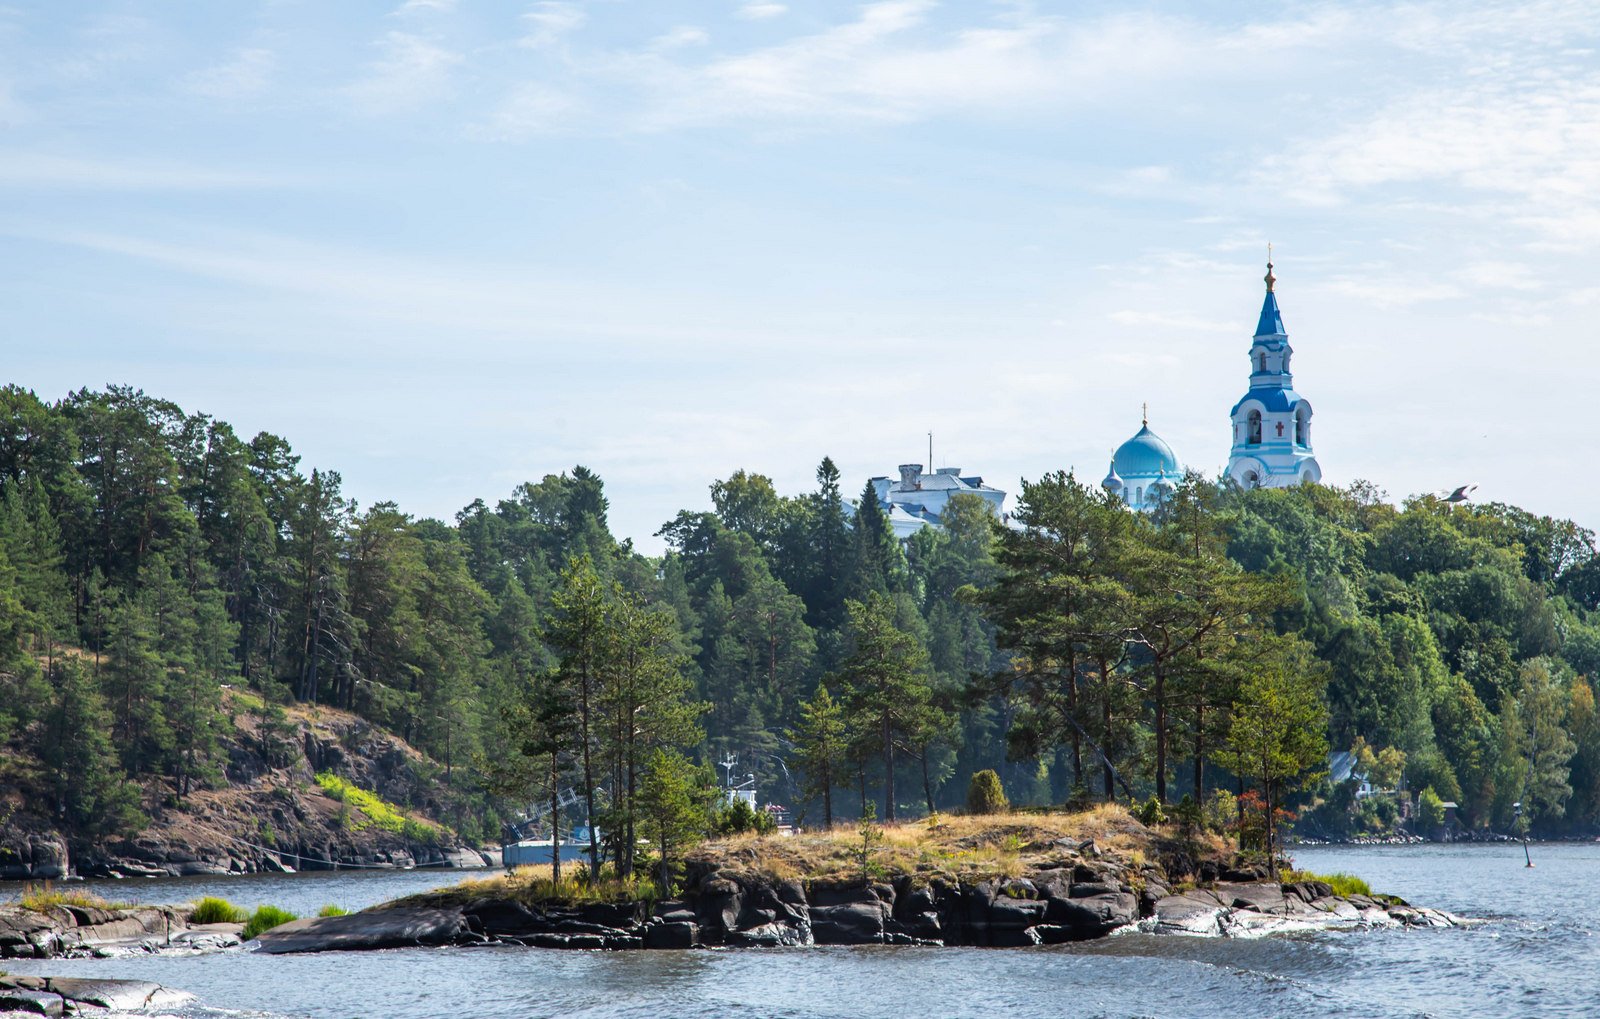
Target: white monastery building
918, 500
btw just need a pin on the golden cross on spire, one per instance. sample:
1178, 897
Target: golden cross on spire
1144, 414
1271, 279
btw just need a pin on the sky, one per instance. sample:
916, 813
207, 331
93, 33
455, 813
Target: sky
448, 246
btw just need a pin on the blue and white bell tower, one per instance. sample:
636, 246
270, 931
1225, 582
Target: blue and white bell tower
1272, 424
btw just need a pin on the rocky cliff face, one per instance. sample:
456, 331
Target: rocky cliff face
270, 815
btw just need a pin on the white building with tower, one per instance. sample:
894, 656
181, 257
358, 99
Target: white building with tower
1271, 428
918, 500
1272, 423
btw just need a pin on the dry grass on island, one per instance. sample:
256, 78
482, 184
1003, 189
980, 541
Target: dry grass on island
951, 847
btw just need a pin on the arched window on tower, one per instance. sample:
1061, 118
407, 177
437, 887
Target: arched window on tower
1300, 427
1253, 429
1261, 362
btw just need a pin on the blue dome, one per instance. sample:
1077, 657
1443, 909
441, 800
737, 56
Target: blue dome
1145, 455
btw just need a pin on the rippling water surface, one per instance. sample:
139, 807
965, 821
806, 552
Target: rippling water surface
1535, 956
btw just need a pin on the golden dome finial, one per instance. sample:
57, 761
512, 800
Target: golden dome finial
1271, 279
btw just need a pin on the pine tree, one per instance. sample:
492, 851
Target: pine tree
885, 679
1277, 735
673, 806
646, 702
879, 564
577, 632
92, 795
821, 747
135, 684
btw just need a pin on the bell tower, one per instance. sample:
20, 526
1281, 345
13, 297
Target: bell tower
1272, 423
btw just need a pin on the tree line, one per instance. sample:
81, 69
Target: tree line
150, 559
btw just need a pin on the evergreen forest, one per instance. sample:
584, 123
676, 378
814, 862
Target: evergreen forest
153, 560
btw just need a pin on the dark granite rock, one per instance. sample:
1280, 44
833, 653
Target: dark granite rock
672, 935
1094, 915
497, 917
850, 923
1016, 914
380, 928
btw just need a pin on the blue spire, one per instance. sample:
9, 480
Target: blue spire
1271, 323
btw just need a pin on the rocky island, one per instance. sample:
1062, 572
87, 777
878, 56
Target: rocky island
1011, 881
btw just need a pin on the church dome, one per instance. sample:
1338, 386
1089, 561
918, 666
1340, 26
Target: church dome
1146, 455
1112, 482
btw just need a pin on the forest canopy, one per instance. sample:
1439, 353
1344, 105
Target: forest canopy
152, 558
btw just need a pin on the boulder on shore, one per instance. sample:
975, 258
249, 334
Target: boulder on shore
54, 996
400, 927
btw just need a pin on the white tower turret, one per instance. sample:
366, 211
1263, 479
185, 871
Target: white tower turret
1272, 423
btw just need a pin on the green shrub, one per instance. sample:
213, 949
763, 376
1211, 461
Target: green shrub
985, 795
331, 910
214, 910
1150, 813
264, 919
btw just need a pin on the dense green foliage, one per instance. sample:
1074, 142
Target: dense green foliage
151, 559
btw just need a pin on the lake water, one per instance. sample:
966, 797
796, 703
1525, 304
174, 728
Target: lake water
1535, 956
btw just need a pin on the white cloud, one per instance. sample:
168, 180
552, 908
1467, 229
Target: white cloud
894, 61
1502, 275
683, 35
1391, 290
1513, 142
550, 21
759, 11
426, 6
532, 109
247, 74
412, 71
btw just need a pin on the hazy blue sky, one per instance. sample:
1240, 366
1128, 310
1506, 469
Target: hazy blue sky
448, 245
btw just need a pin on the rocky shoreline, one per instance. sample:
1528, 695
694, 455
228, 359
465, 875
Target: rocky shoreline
741, 910
1000, 881
74, 931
